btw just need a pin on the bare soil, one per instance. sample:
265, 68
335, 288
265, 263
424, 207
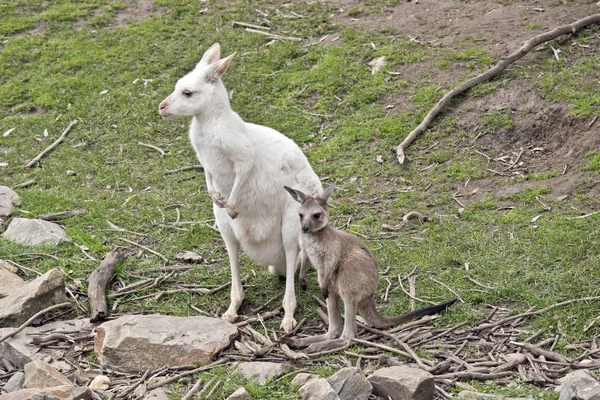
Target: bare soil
550, 139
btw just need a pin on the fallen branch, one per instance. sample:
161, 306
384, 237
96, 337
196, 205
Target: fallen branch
150, 146
51, 147
30, 320
246, 25
98, 281
187, 168
273, 36
25, 184
405, 221
489, 74
149, 250
538, 351
61, 215
190, 372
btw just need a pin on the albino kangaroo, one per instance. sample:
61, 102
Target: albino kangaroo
245, 166
346, 268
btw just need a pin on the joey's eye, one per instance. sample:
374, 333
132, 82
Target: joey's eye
186, 93
317, 216
301, 215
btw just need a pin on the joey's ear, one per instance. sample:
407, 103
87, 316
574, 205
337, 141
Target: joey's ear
296, 194
218, 68
328, 192
211, 55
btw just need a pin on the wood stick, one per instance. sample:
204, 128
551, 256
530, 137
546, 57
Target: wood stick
25, 184
51, 147
538, 351
532, 313
193, 390
246, 25
187, 168
131, 388
98, 281
62, 215
190, 372
489, 74
473, 375
273, 35
30, 320
264, 316
149, 250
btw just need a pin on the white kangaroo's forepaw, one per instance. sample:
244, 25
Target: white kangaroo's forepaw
218, 198
229, 316
233, 213
288, 324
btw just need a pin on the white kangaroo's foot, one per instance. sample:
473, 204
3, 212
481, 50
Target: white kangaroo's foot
229, 316
288, 324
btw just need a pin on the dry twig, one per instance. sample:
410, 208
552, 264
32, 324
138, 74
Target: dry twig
489, 74
48, 149
30, 320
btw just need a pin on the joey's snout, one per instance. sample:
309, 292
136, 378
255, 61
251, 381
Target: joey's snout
305, 228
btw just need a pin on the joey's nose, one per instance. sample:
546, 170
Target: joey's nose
305, 229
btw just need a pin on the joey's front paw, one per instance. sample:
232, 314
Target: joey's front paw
302, 283
233, 213
325, 292
218, 198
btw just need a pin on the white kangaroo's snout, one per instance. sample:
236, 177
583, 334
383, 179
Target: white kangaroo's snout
163, 108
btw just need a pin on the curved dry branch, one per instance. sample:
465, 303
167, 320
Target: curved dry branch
489, 74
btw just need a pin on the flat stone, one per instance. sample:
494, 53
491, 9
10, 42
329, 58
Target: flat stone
8, 267
157, 394
57, 392
579, 385
402, 383
318, 389
34, 296
262, 371
8, 201
35, 232
19, 350
101, 382
9, 282
240, 394
39, 375
302, 379
350, 384
138, 342
15, 382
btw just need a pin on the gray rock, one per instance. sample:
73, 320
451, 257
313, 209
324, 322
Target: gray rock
350, 384
262, 371
23, 303
302, 379
470, 395
35, 232
8, 201
189, 256
402, 383
40, 375
9, 282
318, 389
157, 394
240, 394
101, 382
15, 382
579, 385
138, 342
57, 392
8, 267
19, 350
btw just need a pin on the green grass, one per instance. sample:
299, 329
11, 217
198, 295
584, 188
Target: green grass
326, 99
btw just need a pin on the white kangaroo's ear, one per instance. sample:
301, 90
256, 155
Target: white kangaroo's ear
211, 55
218, 68
296, 194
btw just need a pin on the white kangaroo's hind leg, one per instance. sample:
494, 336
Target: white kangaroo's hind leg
289, 299
237, 291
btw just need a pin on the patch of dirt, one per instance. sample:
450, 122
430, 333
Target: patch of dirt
487, 23
137, 10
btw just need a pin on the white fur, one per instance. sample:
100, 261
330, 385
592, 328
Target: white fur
246, 167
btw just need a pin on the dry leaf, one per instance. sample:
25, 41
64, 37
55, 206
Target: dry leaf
103, 92
376, 64
379, 159
8, 132
534, 219
45, 132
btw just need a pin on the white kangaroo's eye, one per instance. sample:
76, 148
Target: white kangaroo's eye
186, 93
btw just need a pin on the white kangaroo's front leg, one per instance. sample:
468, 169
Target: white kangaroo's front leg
237, 290
242, 170
215, 196
289, 299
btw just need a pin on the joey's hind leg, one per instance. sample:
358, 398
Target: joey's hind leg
237, 291
349, 321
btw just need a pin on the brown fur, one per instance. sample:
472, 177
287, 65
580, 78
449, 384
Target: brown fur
346, 269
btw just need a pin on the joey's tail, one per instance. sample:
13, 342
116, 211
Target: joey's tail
376, 320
